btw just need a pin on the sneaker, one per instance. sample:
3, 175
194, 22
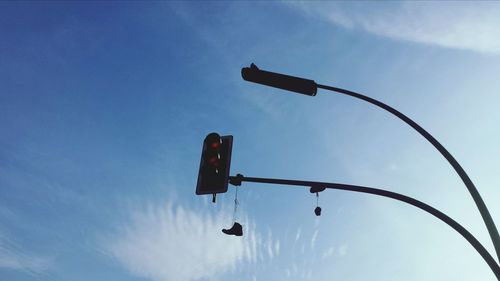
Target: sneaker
236, 230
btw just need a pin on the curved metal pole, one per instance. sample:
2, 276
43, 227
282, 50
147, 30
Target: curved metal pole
490, 224
309, 87
319, 186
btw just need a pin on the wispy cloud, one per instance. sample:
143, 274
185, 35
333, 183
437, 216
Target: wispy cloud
328, 253
343, 250
313, 239
273, 247
277, 247
173, 243
462, 25
297, 235
14, 257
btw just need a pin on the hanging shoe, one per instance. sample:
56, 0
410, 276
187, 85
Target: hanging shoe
236, 230
317, 211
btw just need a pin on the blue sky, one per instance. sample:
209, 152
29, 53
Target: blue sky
104, 107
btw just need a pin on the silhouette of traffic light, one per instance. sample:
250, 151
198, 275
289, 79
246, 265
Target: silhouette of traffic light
213, 175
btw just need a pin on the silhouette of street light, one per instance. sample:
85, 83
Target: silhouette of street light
320, 186
277, 80
309, 87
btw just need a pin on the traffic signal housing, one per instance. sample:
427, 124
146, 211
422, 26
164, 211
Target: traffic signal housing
213, 176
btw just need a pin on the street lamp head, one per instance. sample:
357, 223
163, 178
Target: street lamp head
277, 80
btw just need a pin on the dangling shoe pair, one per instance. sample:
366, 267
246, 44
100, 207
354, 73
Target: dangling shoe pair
236, 230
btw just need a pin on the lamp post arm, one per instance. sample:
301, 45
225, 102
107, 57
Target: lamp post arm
237, 180
309, 87
483, 210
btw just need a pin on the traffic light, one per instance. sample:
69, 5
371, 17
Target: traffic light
213, 175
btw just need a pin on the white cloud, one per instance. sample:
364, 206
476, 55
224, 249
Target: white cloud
277, 247
273, 247
313, 239
343, 250
174, 243
270, 250
462, 25
21, 262
297, 235
14, 258
328, 253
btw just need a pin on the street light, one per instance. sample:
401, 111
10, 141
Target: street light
321, 186
277, 80
309, 87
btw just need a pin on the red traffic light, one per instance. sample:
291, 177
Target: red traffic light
214, 160
213, 175
215, 145
213, 140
